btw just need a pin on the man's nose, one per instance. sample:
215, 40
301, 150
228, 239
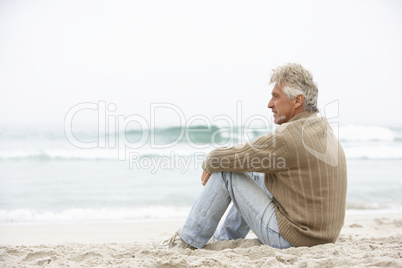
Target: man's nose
270, 104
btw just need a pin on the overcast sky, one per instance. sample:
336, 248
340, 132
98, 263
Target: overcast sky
202, 57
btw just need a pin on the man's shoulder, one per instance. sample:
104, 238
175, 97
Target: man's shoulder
302, 120
304, 125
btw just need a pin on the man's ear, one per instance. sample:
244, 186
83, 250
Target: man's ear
299, 101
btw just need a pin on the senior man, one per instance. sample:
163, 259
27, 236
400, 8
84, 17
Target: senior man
288, 186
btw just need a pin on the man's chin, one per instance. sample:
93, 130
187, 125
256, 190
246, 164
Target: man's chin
277, 121
280, 120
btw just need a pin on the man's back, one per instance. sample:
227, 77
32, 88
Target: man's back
310, 194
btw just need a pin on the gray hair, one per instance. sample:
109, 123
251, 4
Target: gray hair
295, 80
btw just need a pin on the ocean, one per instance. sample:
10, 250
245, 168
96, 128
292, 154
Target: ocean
50, 175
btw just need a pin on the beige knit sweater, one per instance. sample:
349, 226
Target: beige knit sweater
305, 170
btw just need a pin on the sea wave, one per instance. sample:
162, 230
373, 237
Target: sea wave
359, 206
374, 152
199, 134
93, 154
203, 135
57, 155
359, 142
154, 213
352, 151
368, 133
81, 215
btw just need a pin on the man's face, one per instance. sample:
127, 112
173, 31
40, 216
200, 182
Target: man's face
281, 106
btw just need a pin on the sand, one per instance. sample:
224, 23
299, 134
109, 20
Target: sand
367, 240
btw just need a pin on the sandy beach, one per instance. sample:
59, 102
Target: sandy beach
366, 240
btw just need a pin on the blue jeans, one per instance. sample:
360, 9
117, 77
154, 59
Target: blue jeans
252, 208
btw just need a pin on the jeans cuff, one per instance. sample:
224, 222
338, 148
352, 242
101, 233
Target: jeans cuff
190, 241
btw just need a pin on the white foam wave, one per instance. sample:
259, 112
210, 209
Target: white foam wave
79, 215
374, 152
358, 152
90, 154
59, 154
361, 206
364, 142
366, 133
155, 213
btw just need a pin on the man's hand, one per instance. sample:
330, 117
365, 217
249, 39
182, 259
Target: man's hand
205, 177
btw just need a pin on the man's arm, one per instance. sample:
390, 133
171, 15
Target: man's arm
260, 155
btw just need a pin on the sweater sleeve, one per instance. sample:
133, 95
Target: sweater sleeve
264, 154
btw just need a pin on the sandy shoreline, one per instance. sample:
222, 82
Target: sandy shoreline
366, 240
